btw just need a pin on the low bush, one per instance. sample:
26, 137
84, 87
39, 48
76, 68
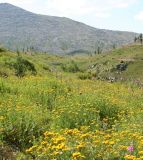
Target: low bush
88, 75
71, 67
21, 66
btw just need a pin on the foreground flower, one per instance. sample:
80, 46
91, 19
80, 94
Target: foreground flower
77, 155
130, 157
130, 148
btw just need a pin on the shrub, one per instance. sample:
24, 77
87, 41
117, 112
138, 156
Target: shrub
22, 65
84, 76
72, 67
122, 66
19, 129
2, 49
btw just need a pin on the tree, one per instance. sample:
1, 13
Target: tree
114, 46
99, 50
135, 39
141, 38
18, 52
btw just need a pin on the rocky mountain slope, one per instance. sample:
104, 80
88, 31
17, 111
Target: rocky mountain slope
21, 29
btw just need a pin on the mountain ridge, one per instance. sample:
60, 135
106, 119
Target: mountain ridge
21, 29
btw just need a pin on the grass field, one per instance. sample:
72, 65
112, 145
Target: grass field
57, 108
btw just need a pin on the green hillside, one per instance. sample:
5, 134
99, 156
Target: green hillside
66, 108
123, 64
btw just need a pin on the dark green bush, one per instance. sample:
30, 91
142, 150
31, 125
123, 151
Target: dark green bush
2, 49
22, 65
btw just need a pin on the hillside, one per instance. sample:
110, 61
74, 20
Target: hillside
57, 107
20, 29
123, 64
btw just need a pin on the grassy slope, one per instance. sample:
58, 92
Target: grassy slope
133, 55
104, 64
86, 119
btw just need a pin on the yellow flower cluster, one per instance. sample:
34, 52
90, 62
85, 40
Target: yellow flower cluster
76, 144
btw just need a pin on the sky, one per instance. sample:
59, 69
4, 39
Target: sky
124, 15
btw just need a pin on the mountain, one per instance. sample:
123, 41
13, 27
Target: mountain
21, 29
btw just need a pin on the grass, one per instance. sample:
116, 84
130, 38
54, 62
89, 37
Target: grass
56, 114
104, 66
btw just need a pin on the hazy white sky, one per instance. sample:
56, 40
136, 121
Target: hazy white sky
109, 14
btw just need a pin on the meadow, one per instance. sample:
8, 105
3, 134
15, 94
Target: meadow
54, 114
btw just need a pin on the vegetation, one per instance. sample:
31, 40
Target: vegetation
139, 39
71, 67
71, 114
